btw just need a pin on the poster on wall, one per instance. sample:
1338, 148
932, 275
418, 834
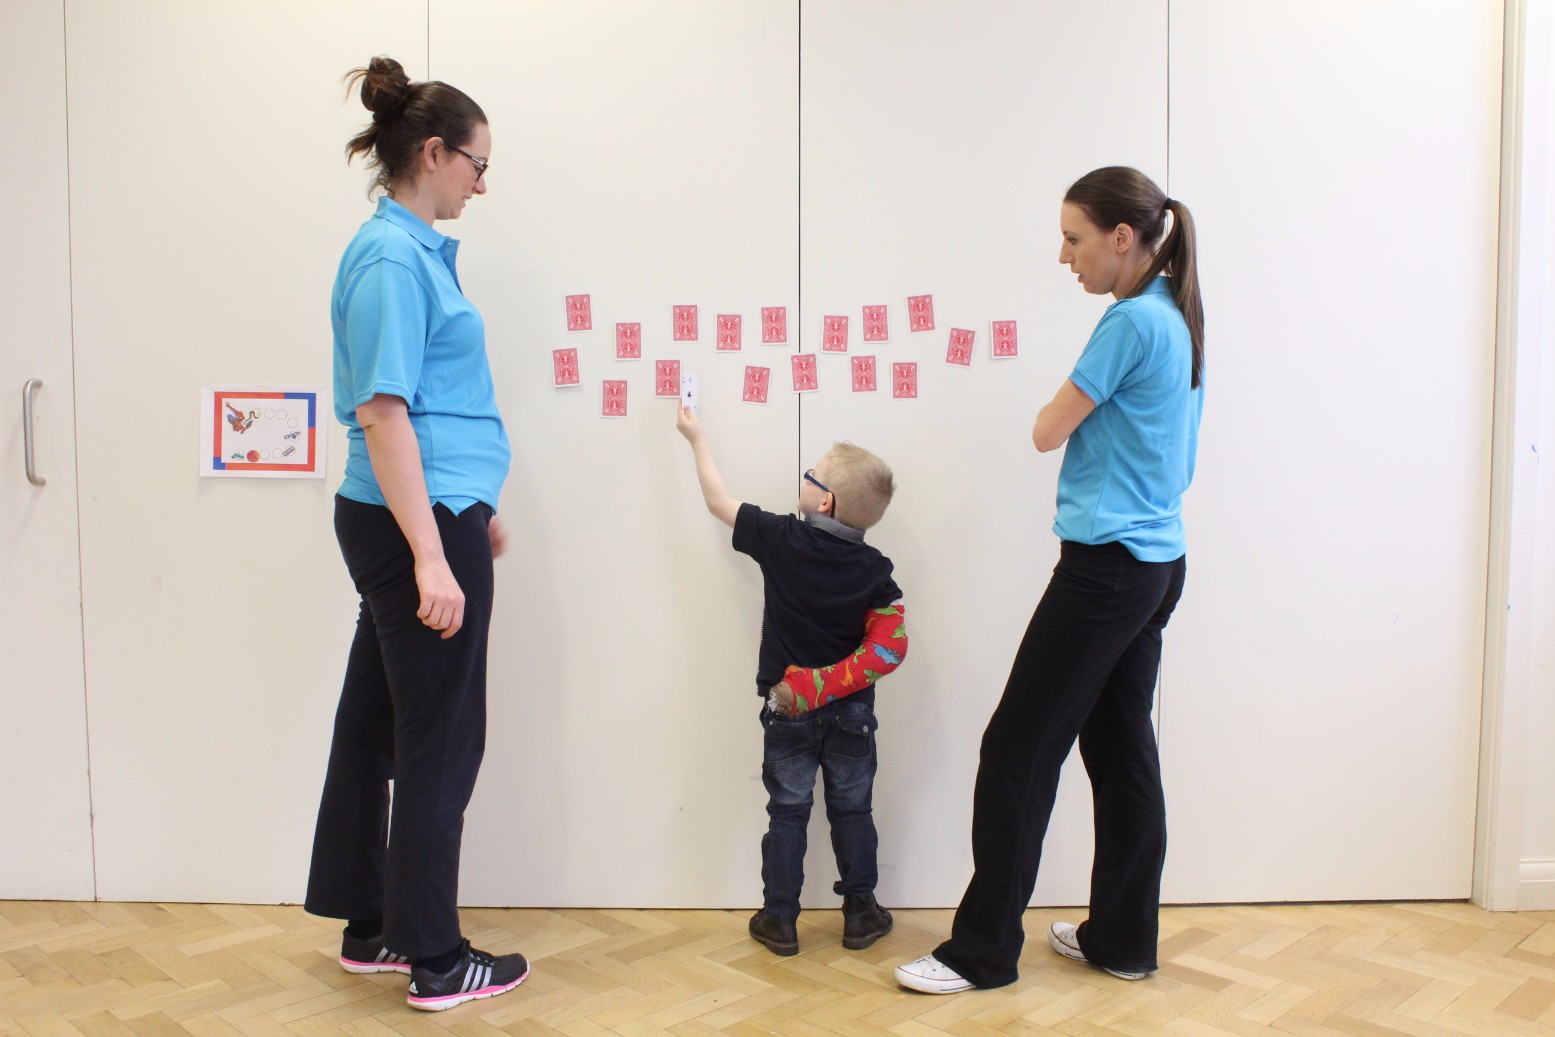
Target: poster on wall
262, 431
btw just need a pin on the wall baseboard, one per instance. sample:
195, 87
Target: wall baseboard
1536, 885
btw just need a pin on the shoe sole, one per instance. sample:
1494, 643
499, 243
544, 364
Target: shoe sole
785, 950
442, 1004
367, 968
1075, 954
858, 943
930, 986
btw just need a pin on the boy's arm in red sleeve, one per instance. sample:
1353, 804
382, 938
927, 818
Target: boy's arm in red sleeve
881, 652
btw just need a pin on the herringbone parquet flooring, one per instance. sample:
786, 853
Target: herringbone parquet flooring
1310, 970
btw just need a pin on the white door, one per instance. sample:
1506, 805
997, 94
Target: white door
45, 803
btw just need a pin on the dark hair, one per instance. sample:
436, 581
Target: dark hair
405, 114
1118, 194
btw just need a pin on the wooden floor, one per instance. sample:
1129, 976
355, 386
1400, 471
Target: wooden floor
1425, 969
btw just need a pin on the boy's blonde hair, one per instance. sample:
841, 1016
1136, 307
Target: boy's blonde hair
861, 484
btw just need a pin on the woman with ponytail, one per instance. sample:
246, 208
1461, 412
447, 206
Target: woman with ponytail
1086, 669
416, 521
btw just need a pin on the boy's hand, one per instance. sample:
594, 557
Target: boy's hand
688, 424
780, 699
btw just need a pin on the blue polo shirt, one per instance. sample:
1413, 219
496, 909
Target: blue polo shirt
1126, 467
404, 328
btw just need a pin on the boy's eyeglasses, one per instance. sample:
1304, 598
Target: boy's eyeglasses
480, 166
809, 477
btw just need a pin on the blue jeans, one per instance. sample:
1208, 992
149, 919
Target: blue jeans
839, 738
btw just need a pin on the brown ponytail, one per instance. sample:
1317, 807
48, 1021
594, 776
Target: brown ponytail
405, 114
1118, 194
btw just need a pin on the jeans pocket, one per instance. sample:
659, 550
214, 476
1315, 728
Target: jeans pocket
853, 734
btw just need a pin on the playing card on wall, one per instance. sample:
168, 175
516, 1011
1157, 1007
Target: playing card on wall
960, 351
564, 367
805, 379
666, 378
774, 325
613, 398
629, 341
728, 332
920, 313
875, 324
685, 318
1002, 335
904, 381
756, 384
834, 334
580, 314
863, 374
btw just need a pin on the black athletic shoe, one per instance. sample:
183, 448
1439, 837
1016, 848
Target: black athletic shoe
863, 921
776, 936
364, 956
475, 975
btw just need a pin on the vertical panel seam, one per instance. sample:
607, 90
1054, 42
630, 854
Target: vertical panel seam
75, 447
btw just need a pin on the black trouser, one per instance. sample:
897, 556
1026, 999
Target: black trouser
1086, 668
413, 709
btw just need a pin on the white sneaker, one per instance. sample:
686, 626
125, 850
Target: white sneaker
929, 975
1065, 941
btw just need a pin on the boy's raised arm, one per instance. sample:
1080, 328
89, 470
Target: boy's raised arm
714, 492
804, 688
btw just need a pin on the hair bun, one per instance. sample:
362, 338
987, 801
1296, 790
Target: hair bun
385, 87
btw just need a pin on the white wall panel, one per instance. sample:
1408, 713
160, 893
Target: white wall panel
643, 154
210, 204
1320, 692
1319, 708
938, 140
45, 801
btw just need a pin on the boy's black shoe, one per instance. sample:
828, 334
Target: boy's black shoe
863, 921
369, 955
776, 936
475, 975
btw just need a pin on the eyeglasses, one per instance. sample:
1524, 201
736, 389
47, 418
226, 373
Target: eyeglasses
480, 166
809, 476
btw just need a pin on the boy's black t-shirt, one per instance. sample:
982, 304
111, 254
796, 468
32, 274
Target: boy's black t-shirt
817, 585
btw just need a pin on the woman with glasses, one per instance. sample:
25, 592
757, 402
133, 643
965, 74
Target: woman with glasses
417, 525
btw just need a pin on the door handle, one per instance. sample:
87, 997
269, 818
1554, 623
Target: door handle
28, 390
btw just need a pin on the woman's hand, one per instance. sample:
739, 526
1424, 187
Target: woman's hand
499, 536
442, 601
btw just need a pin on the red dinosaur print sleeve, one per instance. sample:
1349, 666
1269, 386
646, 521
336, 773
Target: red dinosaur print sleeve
882, 651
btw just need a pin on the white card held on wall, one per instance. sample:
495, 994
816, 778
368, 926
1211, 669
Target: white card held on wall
688, 392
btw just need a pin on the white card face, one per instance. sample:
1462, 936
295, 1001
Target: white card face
688, 392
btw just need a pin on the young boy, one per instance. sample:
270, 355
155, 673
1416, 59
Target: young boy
824, 589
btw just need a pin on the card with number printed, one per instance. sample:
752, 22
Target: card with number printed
666, 378
629, 341
920, 313
613, 398
863, 374
904, 381
1002, 335
564, 367
960, 351
580, 313
729, 332
756, 384
834, 334
774, 325
685, 318
805, 378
